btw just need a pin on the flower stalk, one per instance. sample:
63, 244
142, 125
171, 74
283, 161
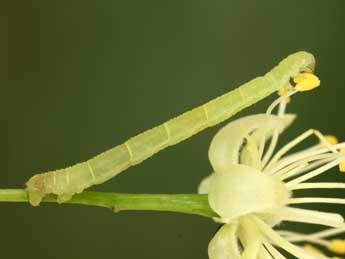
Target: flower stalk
183, 203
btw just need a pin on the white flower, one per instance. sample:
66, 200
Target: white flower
252, 190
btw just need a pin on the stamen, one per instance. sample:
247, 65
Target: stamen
303, 157
282, 91
264, 254
311, 217
313, 150
289, 146
271, 148
295, 142
306, 82
337, 246
329, 232
285, 169
273, 251
280, 241
317, 236
280, 99
293, 172
315, 172
318, 186
337, 146
313, 162
298, 237
282, 108
342, 164
316, 164
327, 140
312, 249
316, 200
262, 147
331, 139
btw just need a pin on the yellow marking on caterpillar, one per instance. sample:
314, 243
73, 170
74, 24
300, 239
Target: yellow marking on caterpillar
165, 125
206, 113
68, 180
241, 94
91, 172
54, 178
129, 152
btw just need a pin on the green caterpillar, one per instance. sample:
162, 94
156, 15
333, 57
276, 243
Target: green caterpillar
71, 180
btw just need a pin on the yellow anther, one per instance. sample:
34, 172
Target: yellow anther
312, 249
306, 82
337, 246
342, 167
331, 139
304, 76
282, 91
342, 164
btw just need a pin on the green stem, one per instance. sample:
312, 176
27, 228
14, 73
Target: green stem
184, 203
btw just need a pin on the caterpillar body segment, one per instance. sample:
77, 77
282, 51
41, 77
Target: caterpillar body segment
69, 181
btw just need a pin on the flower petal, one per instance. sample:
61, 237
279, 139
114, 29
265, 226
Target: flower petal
224, 244
204, 186
242, 189
226, 145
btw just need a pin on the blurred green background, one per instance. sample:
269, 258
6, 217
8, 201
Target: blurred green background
83, 76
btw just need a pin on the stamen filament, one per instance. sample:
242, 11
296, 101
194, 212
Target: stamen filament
316, 237
312, 217
315, 172
275, 253
289, 146
264, 254
297, 156
316, 164
324, 140
271, 148
318, 157
262, 148
282, 107
328, 232
298, 237
305, 153
316, 200
318, 186
280, 99
293, 172
283, 243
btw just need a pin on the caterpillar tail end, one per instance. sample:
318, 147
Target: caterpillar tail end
36, 189
41, 185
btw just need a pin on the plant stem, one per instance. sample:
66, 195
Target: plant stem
184, 203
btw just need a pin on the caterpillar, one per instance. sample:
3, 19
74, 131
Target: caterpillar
71, 180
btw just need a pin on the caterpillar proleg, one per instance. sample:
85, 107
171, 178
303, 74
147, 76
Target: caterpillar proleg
69, 181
